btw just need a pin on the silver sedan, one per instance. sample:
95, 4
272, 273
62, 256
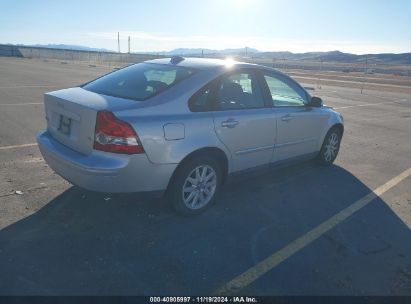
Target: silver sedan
182, 126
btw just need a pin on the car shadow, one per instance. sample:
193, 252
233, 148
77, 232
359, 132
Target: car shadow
83, 243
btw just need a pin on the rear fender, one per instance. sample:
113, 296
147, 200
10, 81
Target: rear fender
195, 132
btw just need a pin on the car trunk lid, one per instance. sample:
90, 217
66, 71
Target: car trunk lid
71, 115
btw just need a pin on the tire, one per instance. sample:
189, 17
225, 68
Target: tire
330, 147
192, 190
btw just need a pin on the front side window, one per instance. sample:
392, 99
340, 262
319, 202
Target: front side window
239, 91
139, 81
284, 94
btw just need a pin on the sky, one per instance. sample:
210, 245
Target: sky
355, 26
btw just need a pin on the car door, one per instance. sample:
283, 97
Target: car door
298, 125
243, 121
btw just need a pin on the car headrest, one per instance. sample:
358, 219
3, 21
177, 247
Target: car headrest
231, 91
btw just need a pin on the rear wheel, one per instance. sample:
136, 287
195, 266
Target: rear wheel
195, 185
330, 147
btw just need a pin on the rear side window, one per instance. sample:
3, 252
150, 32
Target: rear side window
140, 81
200, 102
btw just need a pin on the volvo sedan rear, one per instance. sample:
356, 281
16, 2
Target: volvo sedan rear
183, 126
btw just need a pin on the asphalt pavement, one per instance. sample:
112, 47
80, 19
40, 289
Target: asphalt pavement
57, 239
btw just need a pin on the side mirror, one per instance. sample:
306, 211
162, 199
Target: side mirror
316, 102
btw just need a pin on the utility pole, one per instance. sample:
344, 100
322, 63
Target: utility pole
202, 53
129, 44
365, 73
118, 41
246, 51
319, 75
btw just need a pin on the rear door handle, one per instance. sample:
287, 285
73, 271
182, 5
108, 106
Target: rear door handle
287, 117
229, 123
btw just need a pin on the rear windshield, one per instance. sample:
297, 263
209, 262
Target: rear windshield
139, 81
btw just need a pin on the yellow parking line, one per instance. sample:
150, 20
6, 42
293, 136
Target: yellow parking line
255, 272
17, 146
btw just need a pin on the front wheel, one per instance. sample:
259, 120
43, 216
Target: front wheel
195, 185
330, 147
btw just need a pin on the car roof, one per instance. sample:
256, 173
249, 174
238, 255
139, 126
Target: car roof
211, 63
199, 63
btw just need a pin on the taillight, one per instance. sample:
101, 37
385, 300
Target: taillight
114, 135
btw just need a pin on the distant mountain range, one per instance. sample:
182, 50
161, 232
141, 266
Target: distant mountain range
337, 56
198, 51
67, 47
333, 56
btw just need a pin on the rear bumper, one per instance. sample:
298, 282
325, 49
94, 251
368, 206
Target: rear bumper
105, 172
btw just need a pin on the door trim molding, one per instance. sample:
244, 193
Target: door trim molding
291, 143
264, 148
252, 150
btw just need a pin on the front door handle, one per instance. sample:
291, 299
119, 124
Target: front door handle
287, 117
229, 123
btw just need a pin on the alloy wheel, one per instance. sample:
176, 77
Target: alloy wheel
199, 187
331, 147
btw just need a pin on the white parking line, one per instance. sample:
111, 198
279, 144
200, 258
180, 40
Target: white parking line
364, 105
17, 146
369, 83
21, 104
257, 271
28, 86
